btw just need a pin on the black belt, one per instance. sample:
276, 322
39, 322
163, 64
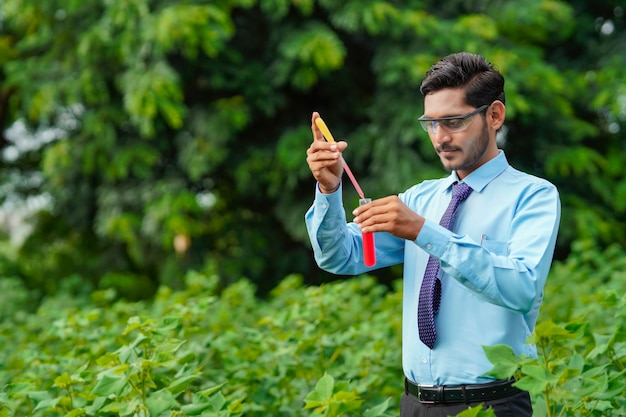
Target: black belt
441, 394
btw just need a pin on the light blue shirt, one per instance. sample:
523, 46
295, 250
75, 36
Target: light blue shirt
493, 266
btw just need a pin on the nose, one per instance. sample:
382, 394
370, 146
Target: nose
440, 135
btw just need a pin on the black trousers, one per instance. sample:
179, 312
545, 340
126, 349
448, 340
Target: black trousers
517, 405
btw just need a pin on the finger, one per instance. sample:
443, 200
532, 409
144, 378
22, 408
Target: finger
318, 163
323, 150
369, 207
379, 212
317, 133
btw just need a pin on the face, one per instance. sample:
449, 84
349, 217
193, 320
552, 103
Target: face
468, 149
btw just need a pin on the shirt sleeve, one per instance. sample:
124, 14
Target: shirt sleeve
512, 275
338, 245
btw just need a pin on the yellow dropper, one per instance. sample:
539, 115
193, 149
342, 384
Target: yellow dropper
329, 137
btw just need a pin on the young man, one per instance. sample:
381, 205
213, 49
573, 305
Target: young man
489, 255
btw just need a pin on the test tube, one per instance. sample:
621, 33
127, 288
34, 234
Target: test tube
369, 251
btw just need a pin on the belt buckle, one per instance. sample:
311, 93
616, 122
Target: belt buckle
419, 394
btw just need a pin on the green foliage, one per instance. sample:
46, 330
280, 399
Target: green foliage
331, 350
582, 342
209, 353
535, 21
170, 136
14, 298
308, 53
478, 411
330, 400
189, 120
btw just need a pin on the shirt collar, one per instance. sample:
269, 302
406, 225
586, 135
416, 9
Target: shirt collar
483, 175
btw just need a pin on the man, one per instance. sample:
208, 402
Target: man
490, 258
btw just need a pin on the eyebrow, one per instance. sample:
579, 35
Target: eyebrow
446, 115
476, 110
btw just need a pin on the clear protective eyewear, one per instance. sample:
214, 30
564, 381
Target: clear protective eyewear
451, 124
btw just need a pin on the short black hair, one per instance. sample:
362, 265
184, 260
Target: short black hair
482, 82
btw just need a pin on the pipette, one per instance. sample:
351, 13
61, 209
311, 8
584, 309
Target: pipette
369, 251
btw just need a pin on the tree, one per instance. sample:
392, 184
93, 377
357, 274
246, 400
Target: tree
188, 121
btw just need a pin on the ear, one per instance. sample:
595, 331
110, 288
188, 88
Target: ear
496, 115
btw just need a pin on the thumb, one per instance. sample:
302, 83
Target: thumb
342, 145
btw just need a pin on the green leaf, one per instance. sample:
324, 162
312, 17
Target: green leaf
322, 393
603, 344
195, 409
535, 379
109, 384
63, 381
130, 407
115, 407
577, 363
96, 405
76, 412
505, 362
378, 410
134, 323
38, 395
47, 404
218, 401
615, 389
161, 401
586, 385
344, 402
210, 391
182, 383
550, 331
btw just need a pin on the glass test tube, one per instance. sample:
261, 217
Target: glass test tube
369, 251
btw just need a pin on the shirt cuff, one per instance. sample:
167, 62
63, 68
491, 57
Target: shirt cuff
335, 195
433, 238
327, 202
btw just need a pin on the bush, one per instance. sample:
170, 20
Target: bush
330, 350
14, 298
196, 352
581, 338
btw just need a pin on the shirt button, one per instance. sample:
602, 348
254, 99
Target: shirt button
324, 205
424, 360
429, 246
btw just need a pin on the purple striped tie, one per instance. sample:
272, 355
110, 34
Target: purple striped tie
430, 292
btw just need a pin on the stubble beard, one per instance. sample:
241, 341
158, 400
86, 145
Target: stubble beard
470, 156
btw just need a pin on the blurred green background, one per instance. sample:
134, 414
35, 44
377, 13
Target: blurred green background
142, 139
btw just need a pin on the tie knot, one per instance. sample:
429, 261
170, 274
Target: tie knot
460, 191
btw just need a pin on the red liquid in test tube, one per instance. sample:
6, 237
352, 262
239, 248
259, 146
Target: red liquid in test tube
369, 251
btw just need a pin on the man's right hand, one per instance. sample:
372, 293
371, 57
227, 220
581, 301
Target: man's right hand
324, 159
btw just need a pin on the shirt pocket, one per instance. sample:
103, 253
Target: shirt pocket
497, 247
